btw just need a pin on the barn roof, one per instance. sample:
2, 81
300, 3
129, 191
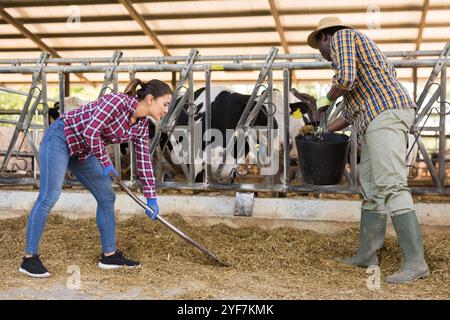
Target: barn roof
139, 28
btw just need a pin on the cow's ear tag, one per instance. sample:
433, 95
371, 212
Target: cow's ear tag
297, 114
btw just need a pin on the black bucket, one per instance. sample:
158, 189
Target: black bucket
322, 157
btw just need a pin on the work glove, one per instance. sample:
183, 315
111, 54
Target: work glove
110, 170
152, 204
323, 103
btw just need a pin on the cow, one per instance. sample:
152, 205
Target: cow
222, 99
70, 103
227, 107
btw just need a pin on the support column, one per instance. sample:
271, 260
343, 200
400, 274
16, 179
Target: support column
442, 136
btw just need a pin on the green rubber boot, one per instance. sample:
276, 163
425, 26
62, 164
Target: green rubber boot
410, 240
371, 238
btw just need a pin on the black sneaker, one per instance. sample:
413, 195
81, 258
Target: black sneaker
115, 261
33, 267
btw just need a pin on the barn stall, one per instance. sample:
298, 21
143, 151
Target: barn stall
278, 235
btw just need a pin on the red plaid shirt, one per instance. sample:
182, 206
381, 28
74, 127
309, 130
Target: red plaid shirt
107, 121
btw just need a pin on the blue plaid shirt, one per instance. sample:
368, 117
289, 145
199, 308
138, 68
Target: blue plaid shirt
362, 69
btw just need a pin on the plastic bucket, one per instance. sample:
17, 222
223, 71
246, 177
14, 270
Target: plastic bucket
322, 157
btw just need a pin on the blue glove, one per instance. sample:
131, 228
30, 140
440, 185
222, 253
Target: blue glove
152, 203
109, 169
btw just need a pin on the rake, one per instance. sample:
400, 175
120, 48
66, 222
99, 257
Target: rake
166, 223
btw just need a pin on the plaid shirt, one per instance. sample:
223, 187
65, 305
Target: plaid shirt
362, 69
106, 121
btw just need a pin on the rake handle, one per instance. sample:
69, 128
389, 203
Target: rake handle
164, 221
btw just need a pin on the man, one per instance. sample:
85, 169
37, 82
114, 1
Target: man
382, 112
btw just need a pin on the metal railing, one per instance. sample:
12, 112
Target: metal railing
437, 60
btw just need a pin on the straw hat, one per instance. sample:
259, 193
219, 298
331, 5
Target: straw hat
325, 23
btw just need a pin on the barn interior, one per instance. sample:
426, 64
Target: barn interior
278, 234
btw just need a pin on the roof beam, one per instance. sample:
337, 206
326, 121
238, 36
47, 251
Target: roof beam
221, 14
279, 26
139, 33
426, 6
49, 3
141, 21
161, 16
27, 33
423, 18
209, 31
207, 45
53, 3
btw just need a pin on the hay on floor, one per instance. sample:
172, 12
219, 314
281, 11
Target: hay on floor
282, 263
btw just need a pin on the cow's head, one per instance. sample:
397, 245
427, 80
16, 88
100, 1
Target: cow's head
299, 110
308, 106
297, 115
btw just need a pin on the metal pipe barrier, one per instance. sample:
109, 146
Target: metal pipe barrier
286, 63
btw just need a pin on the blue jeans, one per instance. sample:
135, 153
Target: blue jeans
54, 161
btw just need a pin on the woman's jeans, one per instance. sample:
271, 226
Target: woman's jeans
54, 161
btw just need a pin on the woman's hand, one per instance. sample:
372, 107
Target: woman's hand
108, 170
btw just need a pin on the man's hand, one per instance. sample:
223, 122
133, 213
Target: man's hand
337, 124
153, 204
323, 103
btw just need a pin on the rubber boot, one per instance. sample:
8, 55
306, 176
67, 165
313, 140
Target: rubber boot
371, 238
410, 240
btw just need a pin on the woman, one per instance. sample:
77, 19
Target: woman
77, 141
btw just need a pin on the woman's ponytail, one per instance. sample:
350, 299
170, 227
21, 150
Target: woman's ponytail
131, 88
154, 87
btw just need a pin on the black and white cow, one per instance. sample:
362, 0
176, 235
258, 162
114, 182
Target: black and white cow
226, 109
